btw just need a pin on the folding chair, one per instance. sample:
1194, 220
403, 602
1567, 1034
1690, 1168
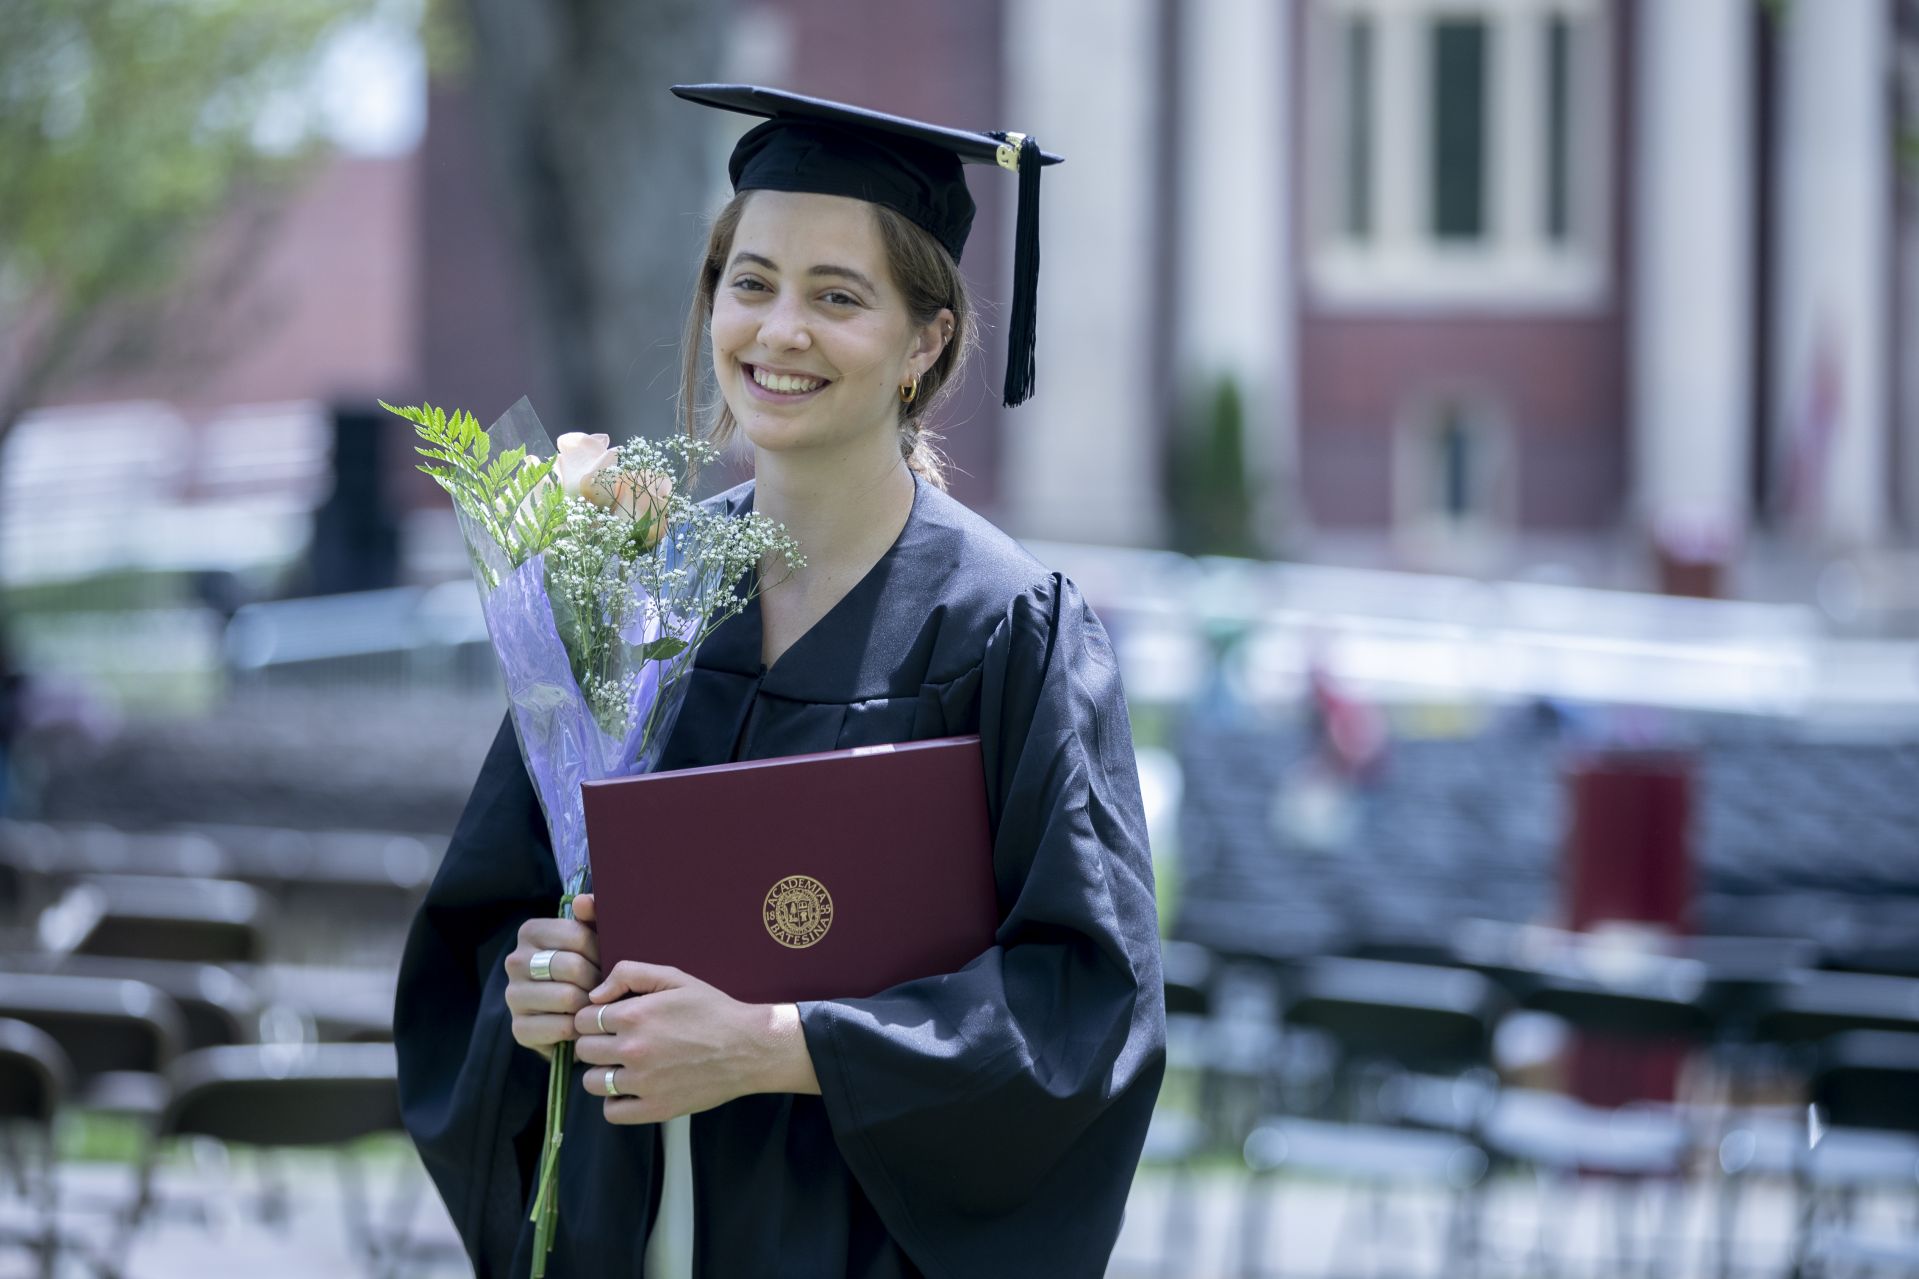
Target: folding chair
1785, 1029
1814, 1005
1563, 1140
213, 921
216, 1003
119, 1035
1176, 1138
1641, 1150
1391, 1022
284, 1096
1864, 1137
325, 1003
34, 1078
1391, 1019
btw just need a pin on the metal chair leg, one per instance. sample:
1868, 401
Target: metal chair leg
1252, 1226
1460, 1237
1176, 1232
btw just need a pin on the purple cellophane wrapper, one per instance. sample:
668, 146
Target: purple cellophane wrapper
560, 740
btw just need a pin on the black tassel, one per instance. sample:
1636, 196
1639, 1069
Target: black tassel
1024, 318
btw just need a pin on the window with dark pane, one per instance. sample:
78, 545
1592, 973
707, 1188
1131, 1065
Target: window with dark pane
1458, 115
1358, 54
1559, 36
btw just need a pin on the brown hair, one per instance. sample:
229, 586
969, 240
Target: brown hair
928, 280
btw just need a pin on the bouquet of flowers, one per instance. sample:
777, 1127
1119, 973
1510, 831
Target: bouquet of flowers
598, 579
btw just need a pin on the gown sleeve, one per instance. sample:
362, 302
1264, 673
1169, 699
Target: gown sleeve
995, 1116
471, 1097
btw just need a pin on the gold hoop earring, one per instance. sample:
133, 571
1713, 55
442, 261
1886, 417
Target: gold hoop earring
911, 391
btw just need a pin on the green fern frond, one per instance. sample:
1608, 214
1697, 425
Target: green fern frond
537, 529
503, 466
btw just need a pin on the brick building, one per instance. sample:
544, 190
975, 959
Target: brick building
1499, 283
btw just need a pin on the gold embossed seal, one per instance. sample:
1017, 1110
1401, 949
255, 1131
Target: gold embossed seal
798, 911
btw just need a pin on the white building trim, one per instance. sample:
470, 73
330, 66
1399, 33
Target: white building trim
1400, 264
1081, 459
1234, 317
1691, 398
1830, 377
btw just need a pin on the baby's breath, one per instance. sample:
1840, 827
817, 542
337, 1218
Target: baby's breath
685, 569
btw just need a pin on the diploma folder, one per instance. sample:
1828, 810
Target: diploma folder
822, 876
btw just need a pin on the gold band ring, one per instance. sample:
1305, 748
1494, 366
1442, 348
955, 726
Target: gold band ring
612, 1089
540, 967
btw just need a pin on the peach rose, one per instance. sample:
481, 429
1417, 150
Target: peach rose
584, 463
645, 500
581, 457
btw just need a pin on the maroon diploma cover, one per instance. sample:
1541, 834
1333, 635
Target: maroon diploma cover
822, 876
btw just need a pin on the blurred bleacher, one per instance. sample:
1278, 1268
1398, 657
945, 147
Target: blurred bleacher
1795, 837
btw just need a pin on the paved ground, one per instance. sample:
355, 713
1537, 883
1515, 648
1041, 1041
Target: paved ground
1314, 1223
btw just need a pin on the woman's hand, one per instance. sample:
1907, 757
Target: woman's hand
543, 1010
679, 1046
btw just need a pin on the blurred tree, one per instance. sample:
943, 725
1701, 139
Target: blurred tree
126, 128
1209, 489
604, 173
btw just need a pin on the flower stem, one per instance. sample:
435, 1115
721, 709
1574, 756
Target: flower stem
545, 1214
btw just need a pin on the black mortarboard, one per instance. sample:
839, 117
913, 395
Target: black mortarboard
828, 148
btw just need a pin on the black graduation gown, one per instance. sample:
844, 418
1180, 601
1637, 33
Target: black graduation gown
983, 1122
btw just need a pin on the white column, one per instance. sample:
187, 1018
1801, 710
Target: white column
1835, 269
1402, 166
1691, 398
1234, 304
1519, 129
1082, 454
1906, 328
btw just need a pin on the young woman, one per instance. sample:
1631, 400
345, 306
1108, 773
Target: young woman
982, 1122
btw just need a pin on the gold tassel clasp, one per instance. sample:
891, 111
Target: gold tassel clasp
1007, 153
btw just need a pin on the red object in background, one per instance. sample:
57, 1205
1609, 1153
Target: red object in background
1352, 733
1696, 579
1628, 860
1629, 850
1694, 556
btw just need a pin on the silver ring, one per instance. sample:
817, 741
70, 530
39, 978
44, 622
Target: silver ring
599, 1019
612, 1089
540, 968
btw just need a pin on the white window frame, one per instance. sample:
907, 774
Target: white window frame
1401, 265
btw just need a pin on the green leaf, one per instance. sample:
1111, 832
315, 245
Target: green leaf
502, 467
662, 649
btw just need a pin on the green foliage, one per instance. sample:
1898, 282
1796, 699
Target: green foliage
498, 492
126, 126
92, 1136
1208, 488
661, 649
135, 115
121, 590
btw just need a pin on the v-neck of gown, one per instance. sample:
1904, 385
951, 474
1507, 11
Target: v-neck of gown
754, 632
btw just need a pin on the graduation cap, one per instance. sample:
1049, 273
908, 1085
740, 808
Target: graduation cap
829, 148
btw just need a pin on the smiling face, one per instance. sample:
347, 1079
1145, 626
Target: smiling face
811, 336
